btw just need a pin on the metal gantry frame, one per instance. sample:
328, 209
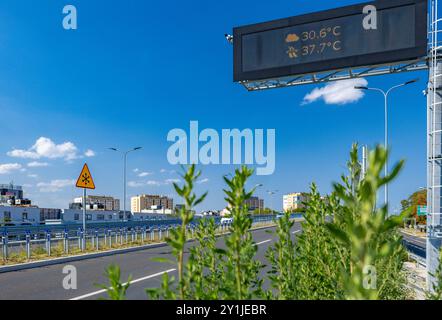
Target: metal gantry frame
434, 145
336, 75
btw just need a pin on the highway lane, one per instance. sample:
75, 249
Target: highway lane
418, 241
46, 283
415, 245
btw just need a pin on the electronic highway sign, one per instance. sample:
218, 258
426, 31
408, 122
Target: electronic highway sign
367, 34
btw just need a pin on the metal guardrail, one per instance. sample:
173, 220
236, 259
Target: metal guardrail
70, 237
422, 261
414, 249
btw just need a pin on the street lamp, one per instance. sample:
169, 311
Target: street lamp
271, 193
386, 94
125, 153
259, 185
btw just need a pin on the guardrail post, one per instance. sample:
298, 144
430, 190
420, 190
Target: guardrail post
152, 234
121, 236
167, 231
5, 246
97, 240
28, 245
125, 236
110, 238
48, 242
160, 234
82, 240
66, 242
143, 234
132, 235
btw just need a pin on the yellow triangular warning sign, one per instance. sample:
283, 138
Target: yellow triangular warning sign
85, 179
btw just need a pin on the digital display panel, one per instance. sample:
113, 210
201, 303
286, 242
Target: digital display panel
331, 40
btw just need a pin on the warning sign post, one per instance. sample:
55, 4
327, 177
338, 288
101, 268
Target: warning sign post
85, 181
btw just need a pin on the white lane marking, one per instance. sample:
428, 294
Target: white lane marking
294, 232
132, 282
268, 240
142, 279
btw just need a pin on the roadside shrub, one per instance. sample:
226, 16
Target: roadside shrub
348, 248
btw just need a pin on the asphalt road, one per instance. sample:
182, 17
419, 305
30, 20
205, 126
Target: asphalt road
46, 283
416, 245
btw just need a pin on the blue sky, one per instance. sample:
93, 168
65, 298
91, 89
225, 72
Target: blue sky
133, 70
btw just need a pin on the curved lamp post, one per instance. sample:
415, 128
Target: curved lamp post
125, 153
386, 94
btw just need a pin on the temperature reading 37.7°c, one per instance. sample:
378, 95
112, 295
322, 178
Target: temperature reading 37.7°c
313, 42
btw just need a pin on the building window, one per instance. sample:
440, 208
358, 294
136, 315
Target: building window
89, 217
100, 217
110, 217
24, 216
76, 216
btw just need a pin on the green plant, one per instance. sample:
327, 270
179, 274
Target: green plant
116, 290
348, 249
211, 272
203, 270
317, 260
367, 233
282, 259
241, 270
436, 292
178, 237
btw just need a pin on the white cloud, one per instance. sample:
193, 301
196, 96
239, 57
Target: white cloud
167, 171
46, 148
36, 164
154, 183
134, 184
9, 167
205, 180
172, 181
34, 176
136, 170
89, 153
338, 92
55, 185
144, 174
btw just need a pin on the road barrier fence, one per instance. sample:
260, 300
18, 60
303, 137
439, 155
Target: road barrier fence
25, 244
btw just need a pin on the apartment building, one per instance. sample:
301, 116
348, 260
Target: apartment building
147, 202
96, 203
254, 203
294, 201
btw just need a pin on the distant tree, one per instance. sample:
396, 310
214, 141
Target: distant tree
405, 204
418, 198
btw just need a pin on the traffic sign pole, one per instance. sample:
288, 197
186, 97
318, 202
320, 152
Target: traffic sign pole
84, 219
85, 181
